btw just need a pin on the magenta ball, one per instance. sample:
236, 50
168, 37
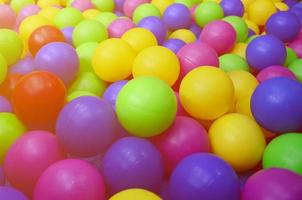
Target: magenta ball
130, 5
7, 16
59, 58
82, 5
273, 183
220, 35
5, 106
112, 91
70, 179
26, 12
29, 156
23, 66
185, 137
156, 26
177, 16
275, 71
67, 32
9, 193
119, 26
296, 45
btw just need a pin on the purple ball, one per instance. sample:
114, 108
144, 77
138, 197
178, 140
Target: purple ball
156, 26
276, 105
67, 32
59, 58
177, 16
174, 44
204, 176
23, 66
273, 184
291, 3
112, 91
232, 7
86, 126
195, 29
118, 5
5, 105
264, 51
8, 193
132, 163
297, 11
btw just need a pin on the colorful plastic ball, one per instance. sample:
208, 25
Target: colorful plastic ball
240, 27
291, 56
139, 38
82, 5
120, 26
214, 91
106, 18
232, 7
55, 182
112, 60
273, 72
9, 84
296, 45
17, 5
85, 53
264, 51
111, 93
177, 16
68, 17
156, 26
273, 183
296, 67
5, 105
183, 34
135, 194
27, 11
29, 156
204, 176
7, 16
67, 32
174, 44
10, 193
259, 11
131, 5
231, 62
276, 96
297, 11
104, 5
141, 167
207, 12
145, 10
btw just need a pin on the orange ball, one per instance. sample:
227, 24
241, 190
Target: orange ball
38, 98
42, 36
9, 84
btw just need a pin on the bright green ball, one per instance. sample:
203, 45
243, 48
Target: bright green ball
89, 31
284, 151
17, 5
85, 52
296, 68
106, 18
77, 94
146, 106
68, 17
145, 10
291, 56
3, 68
104, 5
231, 62
207, 12
241, 28
188, 3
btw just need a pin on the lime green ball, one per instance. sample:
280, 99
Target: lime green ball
77, 94
85, 53
68, 17
88, 82
145, 10
106, 18
284, 151
241, 28
11, 129
188, 3
231, 62
296, 68
291, 56
104, 5
207, 12
17, 5
146, 106
89, 31
11, 46
3, 68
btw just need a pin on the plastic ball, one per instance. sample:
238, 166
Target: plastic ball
231, 62
82, 5
296, 45
243, 106
10, 193
87, 183
112, 60
232, 7
273, 72
291, 56
296, 67
264, 51
142, 165
106, 18
177, 16
120, 26
156, 26
68, 17
104, 5
183, 34
174, 44
5, 105
207, 12
24, 66
159, 62
145, 10
194, 28
131, 5
111, 93
240, 27
275, 96
259, 11
138, 194
204, 176
214, 91
7, 16
49, 12
85, 53
29, 156
17, 5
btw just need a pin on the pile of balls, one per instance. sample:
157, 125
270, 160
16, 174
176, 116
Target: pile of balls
150, 100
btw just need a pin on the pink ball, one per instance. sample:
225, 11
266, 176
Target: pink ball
7, 16
130, 5
29, 157
296, 45
70, 179
82, 5
275, 71
26, 12
185, 137
220, 35
119, 26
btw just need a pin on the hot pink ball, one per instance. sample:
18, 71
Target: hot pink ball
26, 12
119, 26
275, 71
82, 5
130, 5
70, 179
185, 137
220, 35
29, 157
296, 45
7, 16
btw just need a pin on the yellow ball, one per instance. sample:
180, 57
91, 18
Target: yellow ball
243, 106
240, 49
139, 39
162, 5
112, 60
246, 3
260, 10
91, 13
252, 25
159, 62
184, 34
281, 6
47, 3
206, 93
238, 140
135, 194
49, 12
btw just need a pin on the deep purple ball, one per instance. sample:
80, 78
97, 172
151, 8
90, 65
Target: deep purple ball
174, 44
177, 16
232, 7
156, 26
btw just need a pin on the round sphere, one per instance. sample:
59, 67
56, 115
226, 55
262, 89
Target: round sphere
220, 35
232, 62
29, 156
177, 16
234, 132
85, 52
7, 16
120, 26
296, 68
239, 26
259, 11
273, 72
68, 17
273, 183
156, 26
183, 34
106, 18
112, 60
145, 10
5, 105
85, 117
174, 44
59, 58
291, 56
82, 5
232, 7
111, 93
265, 51
143, 99
38, 98
10, 193
67, 32
207, 12
204, 176
135, 193
213, 89
276, 96
130, 5
54, 183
